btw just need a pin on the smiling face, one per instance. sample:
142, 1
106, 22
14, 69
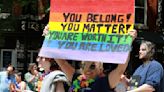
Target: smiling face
44, 63
143, 51
91, 69
147, 50
10, 70
18, 78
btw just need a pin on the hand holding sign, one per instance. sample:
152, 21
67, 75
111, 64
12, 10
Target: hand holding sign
45, 31
133, 33
95, 30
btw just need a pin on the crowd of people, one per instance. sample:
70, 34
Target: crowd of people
12, 80
61, 76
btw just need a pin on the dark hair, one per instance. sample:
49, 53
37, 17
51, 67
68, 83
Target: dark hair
54, 65
18, 73
10, 65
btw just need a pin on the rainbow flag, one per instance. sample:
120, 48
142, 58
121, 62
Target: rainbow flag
89, 30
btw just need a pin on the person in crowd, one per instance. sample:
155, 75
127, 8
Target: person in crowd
6, 78
91, 79
20, 85
54, 80
147, 76
32, 77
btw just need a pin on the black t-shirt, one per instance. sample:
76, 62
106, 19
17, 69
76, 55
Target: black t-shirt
99, 85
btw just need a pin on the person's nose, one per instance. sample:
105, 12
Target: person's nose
140, 51
38, 59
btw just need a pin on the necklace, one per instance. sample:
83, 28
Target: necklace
80, 82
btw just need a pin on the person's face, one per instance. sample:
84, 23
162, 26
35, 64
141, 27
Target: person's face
10, 70
143, 51
44, 63
34, 67
90, 70
18, 78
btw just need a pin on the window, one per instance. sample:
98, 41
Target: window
7, 57
141, 12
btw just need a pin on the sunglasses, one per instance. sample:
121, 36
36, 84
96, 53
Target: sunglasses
91, 67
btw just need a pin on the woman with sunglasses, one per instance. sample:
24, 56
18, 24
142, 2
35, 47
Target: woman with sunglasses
91, 78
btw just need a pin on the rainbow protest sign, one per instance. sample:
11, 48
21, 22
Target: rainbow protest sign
89, 30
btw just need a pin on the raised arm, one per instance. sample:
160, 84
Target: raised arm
115, 75
66, 68
63, 64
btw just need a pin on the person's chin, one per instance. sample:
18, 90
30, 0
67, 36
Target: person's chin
87, 75
140, 57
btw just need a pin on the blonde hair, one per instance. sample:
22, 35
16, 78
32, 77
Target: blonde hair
151, 49
30, 67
